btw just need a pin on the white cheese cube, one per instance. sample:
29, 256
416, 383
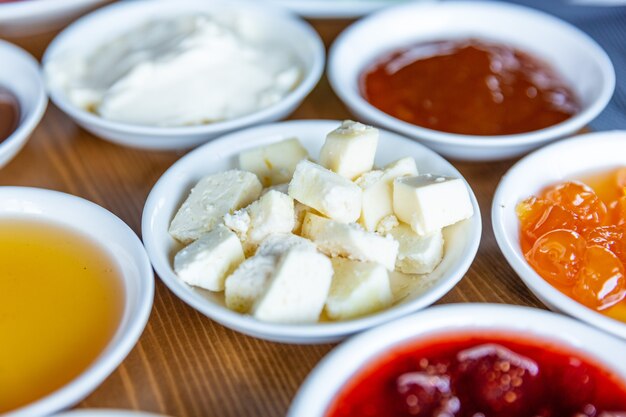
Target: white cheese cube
248, 282
431, 202
357, 289
283, 188
349, 150
350, 241
400, 168
386, 224
275, 163
211, 198
417, 254
238, 222
378, 191
300, 210
279, 243
272, 213
330, 194
297, 290
210, 259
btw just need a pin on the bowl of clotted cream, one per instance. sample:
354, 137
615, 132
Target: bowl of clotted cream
172, 75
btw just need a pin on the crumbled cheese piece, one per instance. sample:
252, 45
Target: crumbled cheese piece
378, 191
297, 290
350, 241
349, 150
328, 193
211, 198
357, 289
429, 203
210, 259
275, 163
417, 254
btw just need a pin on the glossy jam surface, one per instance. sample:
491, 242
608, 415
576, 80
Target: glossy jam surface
574, 235
9, 113
61, 301
487, 375
468, 87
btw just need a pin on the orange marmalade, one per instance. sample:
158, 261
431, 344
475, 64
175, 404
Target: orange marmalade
574, 235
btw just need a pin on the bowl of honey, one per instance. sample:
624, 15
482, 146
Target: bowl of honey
559, 217
469, 79
76, 291
470, 360
23, 99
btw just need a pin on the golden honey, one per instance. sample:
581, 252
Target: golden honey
61, 300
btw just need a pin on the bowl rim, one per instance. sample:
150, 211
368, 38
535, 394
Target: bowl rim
320, 9
19, 10
128, 333
33, 116
305, 333
361, 105
302, 89
548, 294
337, 367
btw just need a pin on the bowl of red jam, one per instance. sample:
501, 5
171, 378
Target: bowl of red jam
559, 216
22, 99
471, 360
469, 79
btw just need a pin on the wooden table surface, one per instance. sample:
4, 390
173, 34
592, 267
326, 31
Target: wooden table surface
185, 364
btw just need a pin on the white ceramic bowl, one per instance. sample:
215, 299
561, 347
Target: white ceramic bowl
21, 18
336, 9
566, 160
332, 373
113, 235
579, 59
173, 187
20, 74
107, 23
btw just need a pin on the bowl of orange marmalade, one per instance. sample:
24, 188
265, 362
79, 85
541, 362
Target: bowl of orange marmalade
559, 216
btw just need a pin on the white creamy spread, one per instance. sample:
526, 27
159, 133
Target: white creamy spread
187, 70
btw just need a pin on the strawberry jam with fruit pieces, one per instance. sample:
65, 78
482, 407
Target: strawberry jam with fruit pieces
481, 376
574, 235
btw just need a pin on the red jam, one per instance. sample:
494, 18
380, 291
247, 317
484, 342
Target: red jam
468, 87
9, 113
481, 376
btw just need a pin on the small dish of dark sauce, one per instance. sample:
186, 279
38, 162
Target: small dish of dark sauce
469, 87
9, 113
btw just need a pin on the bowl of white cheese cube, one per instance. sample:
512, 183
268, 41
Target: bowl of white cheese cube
310, 231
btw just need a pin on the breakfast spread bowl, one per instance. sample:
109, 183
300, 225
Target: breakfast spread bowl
275, 29
22, 18
360, 354
461, 239
126, 255
566, 160
20, 74
578, 59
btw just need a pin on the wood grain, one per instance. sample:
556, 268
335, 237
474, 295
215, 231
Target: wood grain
184, 363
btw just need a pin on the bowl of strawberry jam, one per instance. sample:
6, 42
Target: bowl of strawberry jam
470, 79
471, 360
559, 216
